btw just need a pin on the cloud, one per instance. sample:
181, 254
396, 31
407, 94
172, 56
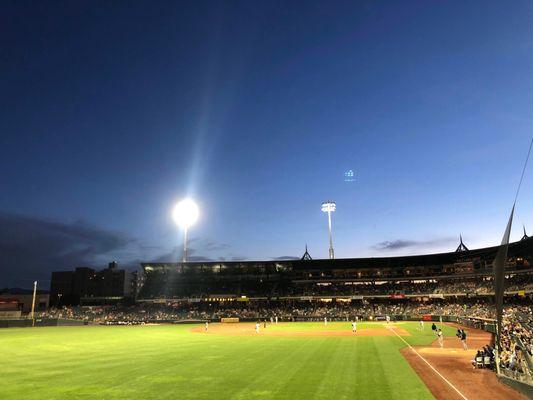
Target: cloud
399, 244
176, 254
232, 258
210, 245
207, 244
199, 259
31, 248
197, 249
396, 244
286, 258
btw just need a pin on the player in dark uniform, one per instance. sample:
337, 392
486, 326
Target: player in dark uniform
463, 339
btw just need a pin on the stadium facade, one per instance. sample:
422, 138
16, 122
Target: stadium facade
397, 277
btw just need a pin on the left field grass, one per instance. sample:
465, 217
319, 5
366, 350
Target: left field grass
170, 362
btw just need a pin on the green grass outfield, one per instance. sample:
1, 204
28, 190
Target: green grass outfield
170, 362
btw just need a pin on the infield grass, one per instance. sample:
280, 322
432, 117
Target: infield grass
170, 362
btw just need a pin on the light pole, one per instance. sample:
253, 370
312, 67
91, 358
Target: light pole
329, 207
33, 303
185, 215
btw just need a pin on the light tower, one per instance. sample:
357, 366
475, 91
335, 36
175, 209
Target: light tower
185, 215
329, 207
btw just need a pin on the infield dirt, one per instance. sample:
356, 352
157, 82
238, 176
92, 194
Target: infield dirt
248, 329
455, 364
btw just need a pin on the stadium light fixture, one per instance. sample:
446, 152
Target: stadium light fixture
329, 207
185, 214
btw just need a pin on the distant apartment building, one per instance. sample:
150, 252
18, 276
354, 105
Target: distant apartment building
87, 286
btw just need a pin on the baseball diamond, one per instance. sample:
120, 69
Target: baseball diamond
290, 360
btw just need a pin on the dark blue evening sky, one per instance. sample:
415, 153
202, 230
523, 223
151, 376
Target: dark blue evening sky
112, 111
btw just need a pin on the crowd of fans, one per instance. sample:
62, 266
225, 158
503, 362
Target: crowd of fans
517, 340
516, 343
421, 287
284, 310
165, 287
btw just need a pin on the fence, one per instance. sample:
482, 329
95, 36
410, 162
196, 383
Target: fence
27, 322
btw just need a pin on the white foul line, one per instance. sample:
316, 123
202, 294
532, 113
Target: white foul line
431, 366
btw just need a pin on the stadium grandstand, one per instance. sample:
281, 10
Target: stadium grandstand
462, 273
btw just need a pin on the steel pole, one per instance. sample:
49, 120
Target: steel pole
185, 245
33, 303
331, 253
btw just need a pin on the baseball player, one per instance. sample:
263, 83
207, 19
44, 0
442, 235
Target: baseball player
463, 339
354, 327
276, 319
440, 337
387, 318
257, 327
206, 326
325, 320
421, 324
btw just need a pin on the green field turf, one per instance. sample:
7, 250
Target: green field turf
170, 362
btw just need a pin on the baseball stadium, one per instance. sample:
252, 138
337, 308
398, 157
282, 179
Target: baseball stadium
414, 327
172, 172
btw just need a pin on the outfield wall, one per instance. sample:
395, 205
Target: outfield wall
27, 323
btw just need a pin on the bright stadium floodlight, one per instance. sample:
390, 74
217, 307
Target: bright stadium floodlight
185, 214
329, 207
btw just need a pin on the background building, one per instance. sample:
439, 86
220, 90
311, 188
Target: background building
14, 302
88, 286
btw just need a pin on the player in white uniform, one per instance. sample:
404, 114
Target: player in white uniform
325, 320
387, 318
354, 327
421, 324
257, 327
276, 319
440, 337
271, 320
206, 326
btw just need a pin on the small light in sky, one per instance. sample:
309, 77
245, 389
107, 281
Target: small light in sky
349, 176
